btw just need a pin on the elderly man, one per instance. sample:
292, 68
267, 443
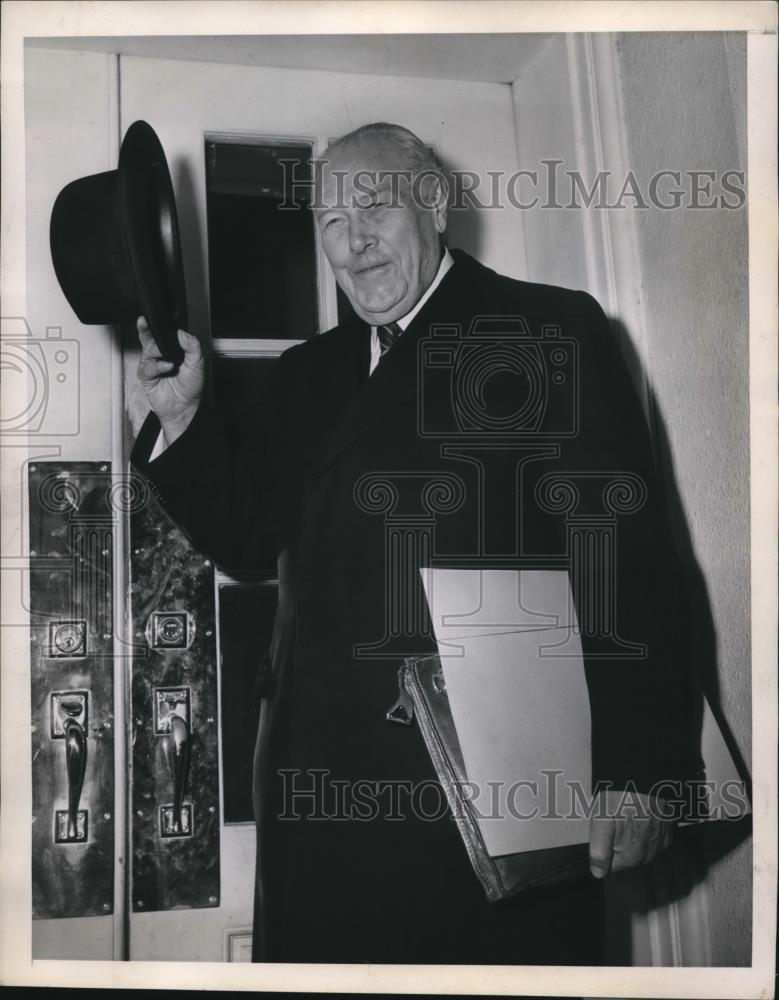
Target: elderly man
343, 875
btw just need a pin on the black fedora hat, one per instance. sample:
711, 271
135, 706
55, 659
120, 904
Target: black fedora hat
115, 243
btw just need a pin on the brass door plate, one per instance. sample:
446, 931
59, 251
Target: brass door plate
73, 513
174, 866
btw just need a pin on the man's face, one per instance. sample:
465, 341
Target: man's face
382, 241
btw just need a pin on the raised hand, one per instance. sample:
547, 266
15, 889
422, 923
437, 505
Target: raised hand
174, 395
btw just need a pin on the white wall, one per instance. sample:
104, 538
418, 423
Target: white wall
676, 281
685, 108
70, 117
546, 130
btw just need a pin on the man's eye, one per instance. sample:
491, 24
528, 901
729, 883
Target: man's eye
332, 222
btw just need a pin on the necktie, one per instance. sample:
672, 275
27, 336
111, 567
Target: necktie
387, 335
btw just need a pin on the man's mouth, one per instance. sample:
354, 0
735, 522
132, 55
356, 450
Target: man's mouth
371, 268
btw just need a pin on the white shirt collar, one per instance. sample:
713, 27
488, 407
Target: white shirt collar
446, 262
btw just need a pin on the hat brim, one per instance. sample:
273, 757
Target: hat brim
147, 216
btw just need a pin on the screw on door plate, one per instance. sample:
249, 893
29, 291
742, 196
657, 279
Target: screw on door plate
61, 827
67, 639
168, 821
169, 702
170, 630
67, 705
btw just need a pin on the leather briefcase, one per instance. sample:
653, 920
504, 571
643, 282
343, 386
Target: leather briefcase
423, 700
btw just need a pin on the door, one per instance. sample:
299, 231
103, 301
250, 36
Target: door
147, 690
241, 124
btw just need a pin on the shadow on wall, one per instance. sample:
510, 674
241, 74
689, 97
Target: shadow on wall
701, 846
464, 231
464, 225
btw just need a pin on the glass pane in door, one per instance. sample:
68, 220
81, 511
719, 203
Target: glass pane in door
261, 257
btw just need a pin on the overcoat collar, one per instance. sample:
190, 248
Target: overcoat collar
395, 382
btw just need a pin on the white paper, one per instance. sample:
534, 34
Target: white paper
521, 709
519, 700
469, 603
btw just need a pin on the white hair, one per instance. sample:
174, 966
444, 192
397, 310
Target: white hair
416, 156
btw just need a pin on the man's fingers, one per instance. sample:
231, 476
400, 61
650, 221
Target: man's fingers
190, 345
631, 843
144, 331
602, 832
150, 369
151, 352
629, 830
638, 841
187, 339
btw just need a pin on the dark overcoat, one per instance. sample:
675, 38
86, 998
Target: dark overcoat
502, 430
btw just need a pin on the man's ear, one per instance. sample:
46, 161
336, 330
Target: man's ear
440, 203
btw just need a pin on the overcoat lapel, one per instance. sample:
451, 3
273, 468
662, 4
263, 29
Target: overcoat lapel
348, 370
397, 377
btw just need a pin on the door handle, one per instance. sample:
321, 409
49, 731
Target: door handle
177, 748
69, 723
172, 725
76, 765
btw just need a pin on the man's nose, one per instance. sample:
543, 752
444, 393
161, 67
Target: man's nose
361, 235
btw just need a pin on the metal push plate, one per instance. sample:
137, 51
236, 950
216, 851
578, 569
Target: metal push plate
71, 651
174, 673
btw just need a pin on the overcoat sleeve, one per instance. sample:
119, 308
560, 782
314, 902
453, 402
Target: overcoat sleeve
225, 489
